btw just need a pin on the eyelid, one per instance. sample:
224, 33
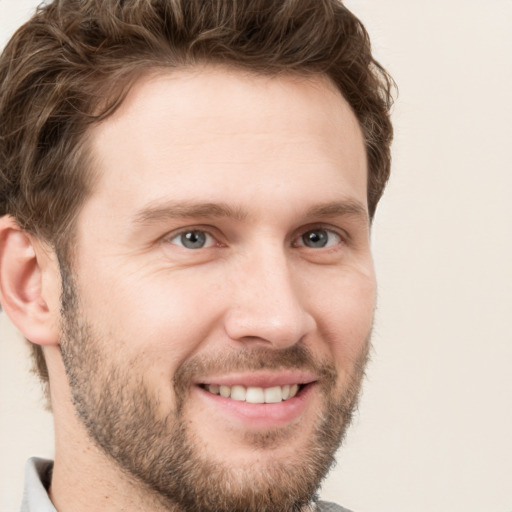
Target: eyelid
208, 230
217, 236
341, 233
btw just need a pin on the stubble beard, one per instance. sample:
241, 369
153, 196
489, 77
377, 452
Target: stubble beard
160, 453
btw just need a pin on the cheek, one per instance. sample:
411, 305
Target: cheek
344, 314
162, 318
148, 327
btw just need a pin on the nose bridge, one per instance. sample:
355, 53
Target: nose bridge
268, 304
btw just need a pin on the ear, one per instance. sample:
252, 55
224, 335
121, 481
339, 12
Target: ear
29, 284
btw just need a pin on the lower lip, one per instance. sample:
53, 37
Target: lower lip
260, 415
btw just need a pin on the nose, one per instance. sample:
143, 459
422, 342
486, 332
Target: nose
267, 303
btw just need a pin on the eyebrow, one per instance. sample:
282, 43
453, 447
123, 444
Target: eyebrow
171, 210
348, 207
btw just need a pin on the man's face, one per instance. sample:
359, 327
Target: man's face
218, 319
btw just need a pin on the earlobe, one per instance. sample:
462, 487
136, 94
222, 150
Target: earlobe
23, 297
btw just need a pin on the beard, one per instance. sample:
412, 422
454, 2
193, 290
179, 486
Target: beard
158, 451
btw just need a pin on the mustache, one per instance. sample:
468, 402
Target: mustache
247, 359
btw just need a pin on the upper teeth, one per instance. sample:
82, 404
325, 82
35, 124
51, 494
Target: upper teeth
255, 395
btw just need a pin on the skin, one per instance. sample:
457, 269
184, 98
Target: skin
278, 157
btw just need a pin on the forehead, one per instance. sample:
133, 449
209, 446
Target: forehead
225, 133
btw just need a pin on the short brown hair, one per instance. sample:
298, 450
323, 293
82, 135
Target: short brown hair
72, 64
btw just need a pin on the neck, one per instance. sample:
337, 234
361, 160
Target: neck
84, 478
87, 481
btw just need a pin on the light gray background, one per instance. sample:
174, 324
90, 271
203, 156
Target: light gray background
434, 433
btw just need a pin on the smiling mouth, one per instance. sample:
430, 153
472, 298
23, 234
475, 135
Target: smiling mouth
255, 395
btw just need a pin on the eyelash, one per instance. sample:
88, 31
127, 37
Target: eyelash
298, 240
183, 232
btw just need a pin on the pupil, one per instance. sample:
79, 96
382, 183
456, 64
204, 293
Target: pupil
316, 238
193, 239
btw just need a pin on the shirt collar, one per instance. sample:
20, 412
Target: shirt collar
37, 481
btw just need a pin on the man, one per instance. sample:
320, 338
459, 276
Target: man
186, 195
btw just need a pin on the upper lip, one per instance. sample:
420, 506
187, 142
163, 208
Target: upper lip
261, 379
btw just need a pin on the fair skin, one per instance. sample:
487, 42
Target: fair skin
256, 170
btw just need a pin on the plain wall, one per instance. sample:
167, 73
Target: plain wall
434, 431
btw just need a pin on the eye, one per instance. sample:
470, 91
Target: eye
193, 239
319, 239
